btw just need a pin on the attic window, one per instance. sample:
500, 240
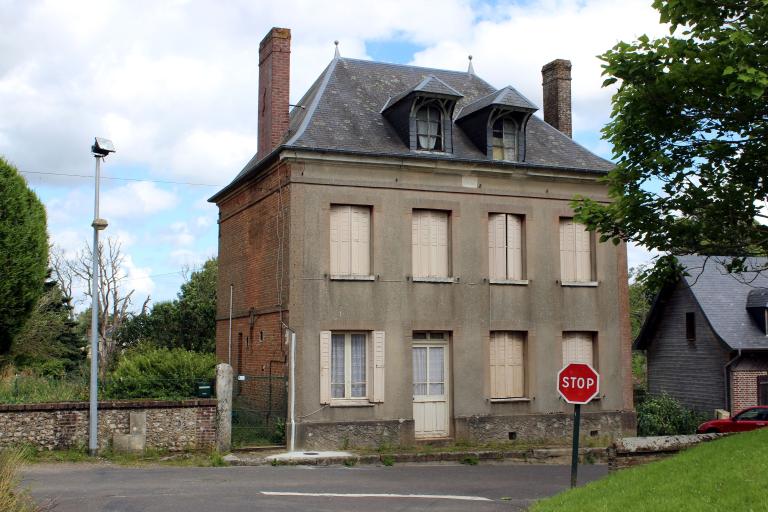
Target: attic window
504, 139
429, 133
690, 327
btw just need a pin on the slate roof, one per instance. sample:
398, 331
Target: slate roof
430, 84
342, 112
507, 97
723, 300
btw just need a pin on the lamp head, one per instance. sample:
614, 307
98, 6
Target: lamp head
102, 147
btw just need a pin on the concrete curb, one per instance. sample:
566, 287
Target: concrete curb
530, 456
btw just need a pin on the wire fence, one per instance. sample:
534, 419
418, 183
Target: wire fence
259, 408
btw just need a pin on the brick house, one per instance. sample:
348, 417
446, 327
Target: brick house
706, 338
413, 228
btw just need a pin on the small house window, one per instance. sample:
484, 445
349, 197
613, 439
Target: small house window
690, 327
504, 139
429, 133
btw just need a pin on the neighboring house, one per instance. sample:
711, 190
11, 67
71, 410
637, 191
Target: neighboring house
706, 337
413, 227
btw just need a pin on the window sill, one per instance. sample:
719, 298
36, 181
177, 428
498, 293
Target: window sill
352, 403
508, 400
518, 282
584, 284
434, 279
343, 277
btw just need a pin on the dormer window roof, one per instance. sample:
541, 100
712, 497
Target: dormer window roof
757, 307
423, 115
496, 123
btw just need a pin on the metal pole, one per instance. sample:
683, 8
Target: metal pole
293, 391
575, 453
229, 337
93, 415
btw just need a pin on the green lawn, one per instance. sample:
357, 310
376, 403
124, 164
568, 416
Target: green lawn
729, 474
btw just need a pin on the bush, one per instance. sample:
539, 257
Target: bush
12, 499
31, 387
662, 415
159, 373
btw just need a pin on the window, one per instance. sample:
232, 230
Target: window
352, 367
350, 240
507, 364
575, 252
578, 347
429, 133
430, 244
504, 139
505, 246
690, 327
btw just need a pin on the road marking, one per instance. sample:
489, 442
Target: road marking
357, 495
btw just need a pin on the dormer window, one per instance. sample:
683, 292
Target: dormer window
429, 132
504, 139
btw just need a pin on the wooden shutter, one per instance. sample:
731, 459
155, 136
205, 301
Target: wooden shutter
514, 247
583, 253
379, 371
429, 239
325, 367
567, 251
440, 261
496, 246
340, 239
417, 254
507, 365
360, 240
578, 348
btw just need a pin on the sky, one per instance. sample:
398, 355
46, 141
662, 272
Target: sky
173, 84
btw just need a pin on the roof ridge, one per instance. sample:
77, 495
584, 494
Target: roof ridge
371, 61
315, 101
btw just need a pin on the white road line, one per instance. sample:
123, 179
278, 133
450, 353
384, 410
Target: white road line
356, 495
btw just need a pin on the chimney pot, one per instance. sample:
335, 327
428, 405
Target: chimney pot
274, 85
556, 78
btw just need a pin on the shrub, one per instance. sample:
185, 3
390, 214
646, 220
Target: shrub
662, 415
29, 387
13, 499
159, 373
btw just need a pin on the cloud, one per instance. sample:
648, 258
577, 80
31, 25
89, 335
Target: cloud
136, 200
138, 279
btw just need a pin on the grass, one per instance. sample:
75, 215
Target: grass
150, 457
727, 474
12, 498
463, 446
28, 389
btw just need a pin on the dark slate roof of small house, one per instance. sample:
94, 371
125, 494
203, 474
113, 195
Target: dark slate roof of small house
341, 111
506, 97
723, 299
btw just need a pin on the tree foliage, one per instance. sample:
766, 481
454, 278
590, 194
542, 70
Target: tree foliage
689, 128
23, 252
189, 322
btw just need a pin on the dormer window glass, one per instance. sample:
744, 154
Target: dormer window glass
429, 133
504, 139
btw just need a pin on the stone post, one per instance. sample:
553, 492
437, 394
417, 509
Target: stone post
224, 383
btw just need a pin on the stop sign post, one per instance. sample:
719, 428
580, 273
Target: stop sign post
577, 383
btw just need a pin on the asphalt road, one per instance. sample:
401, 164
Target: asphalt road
486, 487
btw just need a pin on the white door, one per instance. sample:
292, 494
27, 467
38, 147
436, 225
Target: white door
430, 390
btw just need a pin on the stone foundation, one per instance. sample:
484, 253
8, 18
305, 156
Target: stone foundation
474, 429
170, 425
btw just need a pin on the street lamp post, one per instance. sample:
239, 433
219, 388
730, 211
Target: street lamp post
100, 149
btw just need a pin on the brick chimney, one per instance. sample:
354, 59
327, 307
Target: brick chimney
274, 78
556, 77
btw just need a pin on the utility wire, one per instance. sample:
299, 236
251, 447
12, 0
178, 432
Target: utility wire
72, 175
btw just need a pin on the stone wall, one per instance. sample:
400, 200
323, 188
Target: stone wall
634, 451
361, 434
170, 425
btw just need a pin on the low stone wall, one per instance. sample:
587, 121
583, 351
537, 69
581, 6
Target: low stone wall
634, 451
358, 434
170, 425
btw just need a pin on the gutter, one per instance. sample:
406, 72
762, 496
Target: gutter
726, 368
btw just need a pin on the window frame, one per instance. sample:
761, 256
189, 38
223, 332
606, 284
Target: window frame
350, 274
347, 370
508, 277
690, 327
432, 276
592, 279
522, 336
501, 142
594, 339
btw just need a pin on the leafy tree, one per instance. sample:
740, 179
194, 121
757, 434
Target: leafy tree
23, 253
189, 322
689, 129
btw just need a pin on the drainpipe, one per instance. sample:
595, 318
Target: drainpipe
728, 381
293, 391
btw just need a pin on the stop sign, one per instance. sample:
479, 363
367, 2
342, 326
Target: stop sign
578, 383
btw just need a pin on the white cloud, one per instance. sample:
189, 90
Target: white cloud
138, 279
135, 200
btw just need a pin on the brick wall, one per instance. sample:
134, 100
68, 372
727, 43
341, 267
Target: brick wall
254, 229
171, 425
274, 82
744, 389
556, 78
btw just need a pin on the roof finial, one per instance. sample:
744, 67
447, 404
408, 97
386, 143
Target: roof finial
470, 70
336, 51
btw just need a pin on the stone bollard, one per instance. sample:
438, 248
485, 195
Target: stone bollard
224, 383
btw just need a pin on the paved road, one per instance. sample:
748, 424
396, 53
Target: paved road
486, 487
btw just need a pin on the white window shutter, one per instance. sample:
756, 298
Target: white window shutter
325, 367
583, 253
440, 268
497, 384
514, 247
379, 369
335, 239
515, 365
360, 241
496, 247
567, 251
578, 348
416, 253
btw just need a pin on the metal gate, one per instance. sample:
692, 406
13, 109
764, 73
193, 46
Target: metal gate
259, 408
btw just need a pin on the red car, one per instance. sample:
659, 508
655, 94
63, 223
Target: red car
748, 419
